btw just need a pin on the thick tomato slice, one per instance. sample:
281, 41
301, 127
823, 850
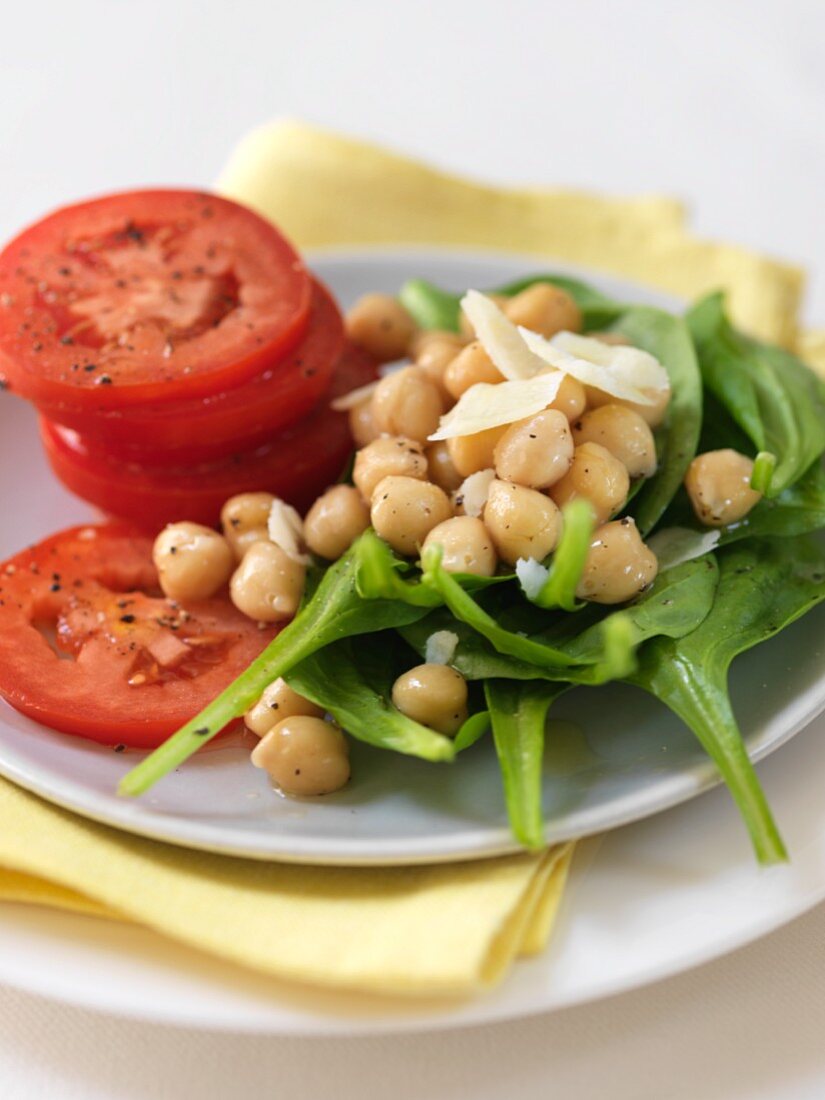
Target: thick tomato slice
237, 418
297, 465
89, 645
146, 296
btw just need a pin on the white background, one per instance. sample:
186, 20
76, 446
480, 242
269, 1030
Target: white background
721, 103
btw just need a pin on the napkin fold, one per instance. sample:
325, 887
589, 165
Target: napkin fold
443, 929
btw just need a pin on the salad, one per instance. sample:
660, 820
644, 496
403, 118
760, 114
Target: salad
417, 525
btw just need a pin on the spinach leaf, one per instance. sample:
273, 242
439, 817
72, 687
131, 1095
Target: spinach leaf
335, 611
432, 307
334, 678
668, 339
567, 564
429, 306
797, 510
518, 712
472, 730
674, 606
764, 585
774, 398
616, 653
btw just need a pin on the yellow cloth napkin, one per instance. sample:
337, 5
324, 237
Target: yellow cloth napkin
440, 929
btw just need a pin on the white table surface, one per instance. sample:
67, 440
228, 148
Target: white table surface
719, 101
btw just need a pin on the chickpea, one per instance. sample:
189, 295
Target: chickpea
545, 309
278, 701
407, 402
441, 469
599, 477
435, 355
619, 565
434, 695
268, 584
304, 756
335, 521
571, 398
622, 432
653, 415
719, 486
467, 546
192, 561
380, 325
388, 456
523, 523
535, 452
470, 366
244, 519
361, 423
424, 336
471, 453
404, 511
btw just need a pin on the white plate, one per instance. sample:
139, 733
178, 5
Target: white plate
625, 758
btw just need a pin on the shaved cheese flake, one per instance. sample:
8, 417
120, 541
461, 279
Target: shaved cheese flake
675, 545
620, 371
500, 338
350, 400
286, 530
441, 647
485, 406
532, 576
472, 493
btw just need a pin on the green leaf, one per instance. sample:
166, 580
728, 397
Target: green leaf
335, 611
519, 717
568, 561
764, 586
616, 652
797, 510
429, 306
764, 466
674, 605
774, 398
472, 730
334, 679
668, 339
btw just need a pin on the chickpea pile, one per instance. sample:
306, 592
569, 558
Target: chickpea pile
415, 493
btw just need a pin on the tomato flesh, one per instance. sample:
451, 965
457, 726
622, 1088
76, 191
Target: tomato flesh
297, 465
90, 646
237, 418
146, 297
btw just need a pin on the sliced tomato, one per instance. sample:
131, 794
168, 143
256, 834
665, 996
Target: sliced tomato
240, 417
90, 646
297, 465
146, 297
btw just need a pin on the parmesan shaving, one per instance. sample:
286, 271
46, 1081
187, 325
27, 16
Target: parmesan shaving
350, 400
500, 338
621, 371
286, 530
471, 495
441, 647
675, 545
532, 576
485, 406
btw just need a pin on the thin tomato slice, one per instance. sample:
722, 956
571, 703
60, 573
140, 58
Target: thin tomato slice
237, 418
146, 297
297, 465
90, 646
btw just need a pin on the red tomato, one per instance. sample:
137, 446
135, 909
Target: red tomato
229, 420
297, 465
146, 297
89, 645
